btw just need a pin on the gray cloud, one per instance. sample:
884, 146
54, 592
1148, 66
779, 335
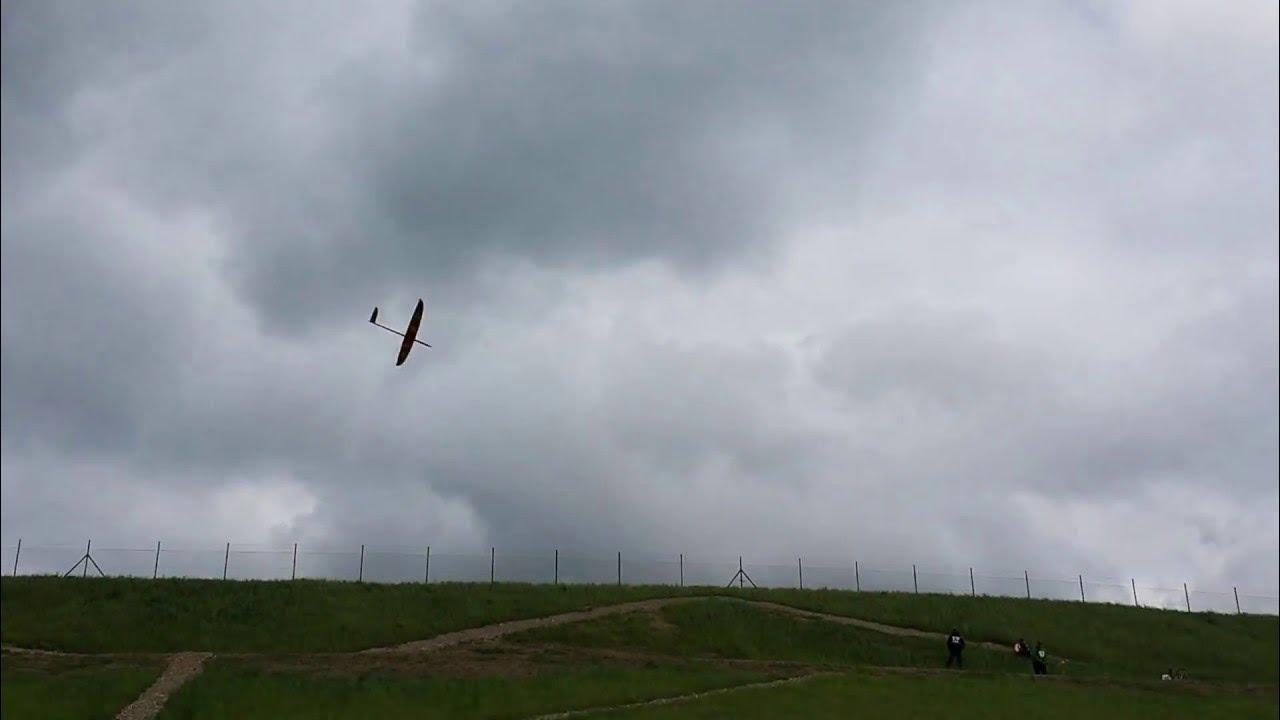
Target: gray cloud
983, 285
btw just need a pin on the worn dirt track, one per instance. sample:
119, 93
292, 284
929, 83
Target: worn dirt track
498, 630
184, 666
683, 698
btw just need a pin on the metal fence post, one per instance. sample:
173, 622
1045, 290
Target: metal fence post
857, 577
19, 554
973, 589
914, 582
293, 571
1081, 587
1026, 576
800, 566
1187, 595
556, 581
225, 559
155, 570
1134, 585
1234, 589
492, 554
360, 577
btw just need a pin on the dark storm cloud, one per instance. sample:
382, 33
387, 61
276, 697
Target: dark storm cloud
579, 137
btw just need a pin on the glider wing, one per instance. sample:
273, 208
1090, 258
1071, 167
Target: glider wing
410, 334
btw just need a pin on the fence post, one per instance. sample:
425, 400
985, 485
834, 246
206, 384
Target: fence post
19, 554
1081, 587
1026, 576
556, 581
973, 589
1134, 584
914, 582
360, 578
426, 573
681, 569
1187, 595
619, 568
156, 569
293, 571
492, 554
800, 565
1234, 589
857, 577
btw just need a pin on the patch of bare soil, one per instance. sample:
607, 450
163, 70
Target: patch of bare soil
182, 667
684, 698
498, 630
53, 663
493, 658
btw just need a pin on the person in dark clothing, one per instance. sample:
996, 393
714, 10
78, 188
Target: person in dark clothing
1021, 649
1038, 660
955, 646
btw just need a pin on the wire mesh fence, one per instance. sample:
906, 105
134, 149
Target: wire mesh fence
399, 564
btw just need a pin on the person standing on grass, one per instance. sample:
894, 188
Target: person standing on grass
955, 646
1038, 659
1020, 649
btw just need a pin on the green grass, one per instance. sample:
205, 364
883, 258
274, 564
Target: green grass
132, 615
1132, 641
73, 688
725, 629
870, 695
227, 690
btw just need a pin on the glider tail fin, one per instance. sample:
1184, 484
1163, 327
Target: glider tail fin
374, 317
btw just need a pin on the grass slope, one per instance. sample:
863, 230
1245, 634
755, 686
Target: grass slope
72, 688
229, 690
129, 615
1134, 641
946, 695
167, 615
726, 629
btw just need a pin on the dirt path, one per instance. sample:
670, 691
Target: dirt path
864, 624
498, 630
683, 698
182, 667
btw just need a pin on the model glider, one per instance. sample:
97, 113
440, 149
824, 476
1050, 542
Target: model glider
410, 334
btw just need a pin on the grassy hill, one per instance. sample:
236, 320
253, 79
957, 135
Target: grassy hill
285, 649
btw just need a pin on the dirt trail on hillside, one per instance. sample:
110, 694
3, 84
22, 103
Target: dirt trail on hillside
182, 667
498, 630
683, 698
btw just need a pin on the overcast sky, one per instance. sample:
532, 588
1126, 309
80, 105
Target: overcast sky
955, 283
